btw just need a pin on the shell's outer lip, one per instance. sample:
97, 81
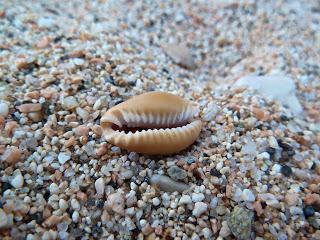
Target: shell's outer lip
168, 117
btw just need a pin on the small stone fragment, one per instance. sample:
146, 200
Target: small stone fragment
99, 185
180, 54
197, 197
210, 111
81, 130
311, 199
4, 109
54, 188
116, 202
199, 209
286, 170
29, 107
63, 157
3, 219
185, 199
224, 231
315, 222
167, 184
10, 126
308, 211
70, 142
247, 196
11, 155
17, 181
83, 113
177, 173
35, 116
240, 222
69, 103
53, 220
291, 199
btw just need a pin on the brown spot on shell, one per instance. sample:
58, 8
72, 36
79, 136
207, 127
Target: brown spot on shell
152, 123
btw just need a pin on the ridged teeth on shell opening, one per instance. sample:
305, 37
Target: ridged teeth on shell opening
144, 117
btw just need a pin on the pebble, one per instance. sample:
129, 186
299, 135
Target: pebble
199, 209
197, 197
84, 114
214, 202
52, 220
180, 54
240, 222
247, 196
311, 199
17, 181
63, 157
30, 107
100, 185
63, 204
221, 210
12, 155
315, 222
177, 173
185, 199
4, 109
308, 211
35, 116
75, 204
167, 184
69, 103
3, 219
10, 126
133, 156
116, 203
156, 201
54, 188
286, 170
75, 216
273, 143
126, 174
291, 198
210, 112
116, 149
225, 230
81, 130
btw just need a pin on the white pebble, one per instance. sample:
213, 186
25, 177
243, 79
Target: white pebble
17, 181
99, 185
4, 109
63, 157
276, 169
207, 233
263, 156
273, 142
53, 188
199, 208
75, 216
185, 199
225, 230
75, 204
69, 103
247, 196
197, 197
63, 204
214, 202
82, 113
156, 201
3, 219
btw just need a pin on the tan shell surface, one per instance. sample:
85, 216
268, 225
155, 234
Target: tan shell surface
172, 115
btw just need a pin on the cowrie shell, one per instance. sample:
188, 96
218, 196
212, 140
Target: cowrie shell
152, 123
